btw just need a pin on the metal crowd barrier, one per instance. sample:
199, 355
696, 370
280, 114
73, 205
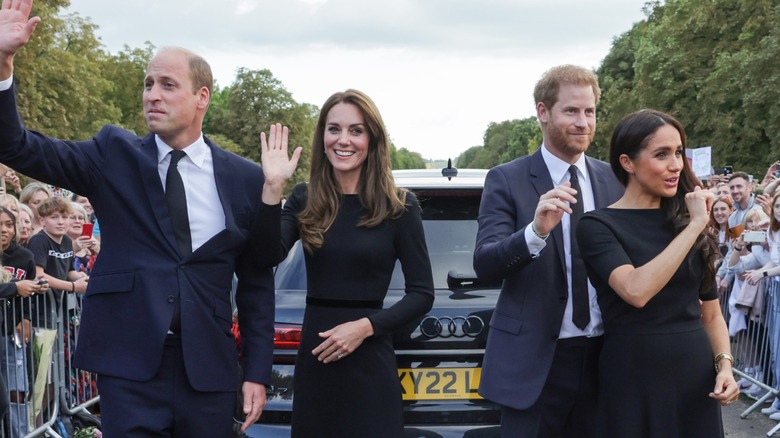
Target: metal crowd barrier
753, 317
45, 389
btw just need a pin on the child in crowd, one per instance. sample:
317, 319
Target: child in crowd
53, 253
53, 249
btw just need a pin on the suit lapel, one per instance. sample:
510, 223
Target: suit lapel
598, 185
154, 189
539, 175
223, 174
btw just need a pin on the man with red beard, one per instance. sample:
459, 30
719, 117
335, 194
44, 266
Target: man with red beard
541, 360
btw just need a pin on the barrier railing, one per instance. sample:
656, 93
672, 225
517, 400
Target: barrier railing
37, 348
752, 313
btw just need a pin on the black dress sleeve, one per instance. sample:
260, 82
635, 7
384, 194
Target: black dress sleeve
600, 247
416, 265
294, 205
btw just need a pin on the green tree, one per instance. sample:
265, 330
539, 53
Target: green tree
249, 106
465, 159
61, 89
713, 65
126, 71
405, 159
503, 142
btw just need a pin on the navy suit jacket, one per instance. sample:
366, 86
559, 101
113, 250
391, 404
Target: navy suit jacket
529, 313
139, 273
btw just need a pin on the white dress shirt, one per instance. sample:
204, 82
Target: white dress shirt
559, 173
204, 209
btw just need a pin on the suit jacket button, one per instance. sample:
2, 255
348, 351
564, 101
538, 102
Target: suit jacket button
563, 298
555, 338
171, 299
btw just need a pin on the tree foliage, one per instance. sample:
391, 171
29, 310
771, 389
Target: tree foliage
249, 106
125, 72
503, 141
405, 159
59, 82
713, 65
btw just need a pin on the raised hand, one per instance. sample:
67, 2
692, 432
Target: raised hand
16, 26
551, 207
278, 167
699, 203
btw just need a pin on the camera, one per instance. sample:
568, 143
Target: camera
754, 236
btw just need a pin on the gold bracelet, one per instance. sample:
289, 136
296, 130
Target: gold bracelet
720, 357
543, 237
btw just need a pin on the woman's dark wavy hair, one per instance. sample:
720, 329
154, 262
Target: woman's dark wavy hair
630, 137
376, 189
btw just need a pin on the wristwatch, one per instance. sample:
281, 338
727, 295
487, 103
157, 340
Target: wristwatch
766, 274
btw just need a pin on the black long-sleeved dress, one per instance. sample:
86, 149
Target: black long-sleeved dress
655, 369
348, 277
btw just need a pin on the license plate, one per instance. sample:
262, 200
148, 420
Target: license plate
439, 383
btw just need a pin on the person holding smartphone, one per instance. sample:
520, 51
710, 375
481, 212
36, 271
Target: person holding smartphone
85, 246
750, 251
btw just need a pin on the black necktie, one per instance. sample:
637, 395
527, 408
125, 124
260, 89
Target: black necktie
177, 205
579, 278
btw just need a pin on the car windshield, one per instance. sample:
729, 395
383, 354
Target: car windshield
450, 223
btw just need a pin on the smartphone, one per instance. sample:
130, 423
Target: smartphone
86, 230
728, 170
754, 236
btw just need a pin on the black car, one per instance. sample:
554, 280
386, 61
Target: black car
440, 355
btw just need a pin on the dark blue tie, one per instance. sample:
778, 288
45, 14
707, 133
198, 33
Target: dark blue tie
579, 277
177, 205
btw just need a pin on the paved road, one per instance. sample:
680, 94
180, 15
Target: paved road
755, 425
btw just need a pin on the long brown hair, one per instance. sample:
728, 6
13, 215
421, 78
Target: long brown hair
376, 189
630, 137
774, 224
713, 223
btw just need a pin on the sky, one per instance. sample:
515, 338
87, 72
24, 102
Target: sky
438, 70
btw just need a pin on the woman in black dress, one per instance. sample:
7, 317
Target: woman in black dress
650, 257
354, 224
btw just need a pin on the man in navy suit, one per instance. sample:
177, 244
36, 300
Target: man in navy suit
157, 311
539, 365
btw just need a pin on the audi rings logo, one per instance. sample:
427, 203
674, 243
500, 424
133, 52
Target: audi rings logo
452, 326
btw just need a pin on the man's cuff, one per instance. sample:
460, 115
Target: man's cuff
6, 84
534, 242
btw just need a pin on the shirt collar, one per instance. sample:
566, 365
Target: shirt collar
559, 169
196, 151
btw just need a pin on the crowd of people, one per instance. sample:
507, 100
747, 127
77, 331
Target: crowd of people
746, 218
45, 246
